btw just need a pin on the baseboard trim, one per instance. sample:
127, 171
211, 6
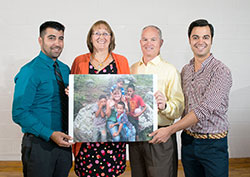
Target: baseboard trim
16, 166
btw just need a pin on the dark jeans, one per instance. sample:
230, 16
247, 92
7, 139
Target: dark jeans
204, 157
44, 159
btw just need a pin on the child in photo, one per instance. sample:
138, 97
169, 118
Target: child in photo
119, 85
136, 107
115, 98
126, 129
99, 123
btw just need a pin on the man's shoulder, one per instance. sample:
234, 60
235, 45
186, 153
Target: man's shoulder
29, 70
134, 67
31, 65
219, 65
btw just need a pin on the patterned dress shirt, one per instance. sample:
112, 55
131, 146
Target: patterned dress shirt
207, 94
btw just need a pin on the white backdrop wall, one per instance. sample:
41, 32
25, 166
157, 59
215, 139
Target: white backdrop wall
20, 21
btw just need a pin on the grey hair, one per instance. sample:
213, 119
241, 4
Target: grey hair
157, 28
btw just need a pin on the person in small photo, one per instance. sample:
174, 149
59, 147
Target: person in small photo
99, 123
136, 107
119, 84
126, 129
111, 113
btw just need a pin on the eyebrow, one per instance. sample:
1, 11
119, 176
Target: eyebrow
51, 35
206, 35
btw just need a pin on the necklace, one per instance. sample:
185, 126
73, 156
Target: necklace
100, 64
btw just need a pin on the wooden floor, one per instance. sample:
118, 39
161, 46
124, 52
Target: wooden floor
237, 168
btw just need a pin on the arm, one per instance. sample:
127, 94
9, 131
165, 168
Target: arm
142, 104
24, 96
163, 134
108, 109
112, 125
171, 105
110, 103
215, 99
140, 113
99, 110
119, 130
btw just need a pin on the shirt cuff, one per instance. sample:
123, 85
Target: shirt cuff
164, 110
46, 133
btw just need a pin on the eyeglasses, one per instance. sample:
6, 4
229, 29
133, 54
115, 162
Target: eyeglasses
99, 34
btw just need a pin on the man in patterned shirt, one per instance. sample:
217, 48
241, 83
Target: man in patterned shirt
206, 84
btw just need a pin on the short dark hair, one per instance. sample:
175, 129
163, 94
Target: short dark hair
90, 33
121, 103
51, 24
131, 86
102, 96
200, 22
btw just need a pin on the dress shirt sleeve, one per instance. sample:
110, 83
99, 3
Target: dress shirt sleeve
216, 96
25, 91
174, 96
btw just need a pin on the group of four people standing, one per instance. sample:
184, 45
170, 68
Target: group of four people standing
204, 83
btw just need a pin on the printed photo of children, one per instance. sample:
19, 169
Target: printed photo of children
105, 108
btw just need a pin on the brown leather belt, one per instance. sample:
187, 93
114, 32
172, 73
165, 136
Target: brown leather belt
206, 135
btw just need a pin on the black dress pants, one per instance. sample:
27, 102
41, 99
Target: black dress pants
44, 159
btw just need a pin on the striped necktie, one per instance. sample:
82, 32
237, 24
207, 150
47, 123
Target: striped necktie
63, 97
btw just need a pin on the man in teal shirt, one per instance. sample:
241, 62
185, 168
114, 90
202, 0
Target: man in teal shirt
37, 108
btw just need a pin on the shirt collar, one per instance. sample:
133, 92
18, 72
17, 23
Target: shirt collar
47, 60
154, 61
205, 62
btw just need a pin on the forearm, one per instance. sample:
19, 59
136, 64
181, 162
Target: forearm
31, 124
187, 121
144, 109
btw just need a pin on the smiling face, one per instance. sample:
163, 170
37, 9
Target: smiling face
150, 43
120, 109
100, 38
201, 41
117, 94
52, 42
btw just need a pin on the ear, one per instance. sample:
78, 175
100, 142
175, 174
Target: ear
40, 40
162, 42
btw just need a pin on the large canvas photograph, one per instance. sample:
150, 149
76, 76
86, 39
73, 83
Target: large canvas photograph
112, 108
